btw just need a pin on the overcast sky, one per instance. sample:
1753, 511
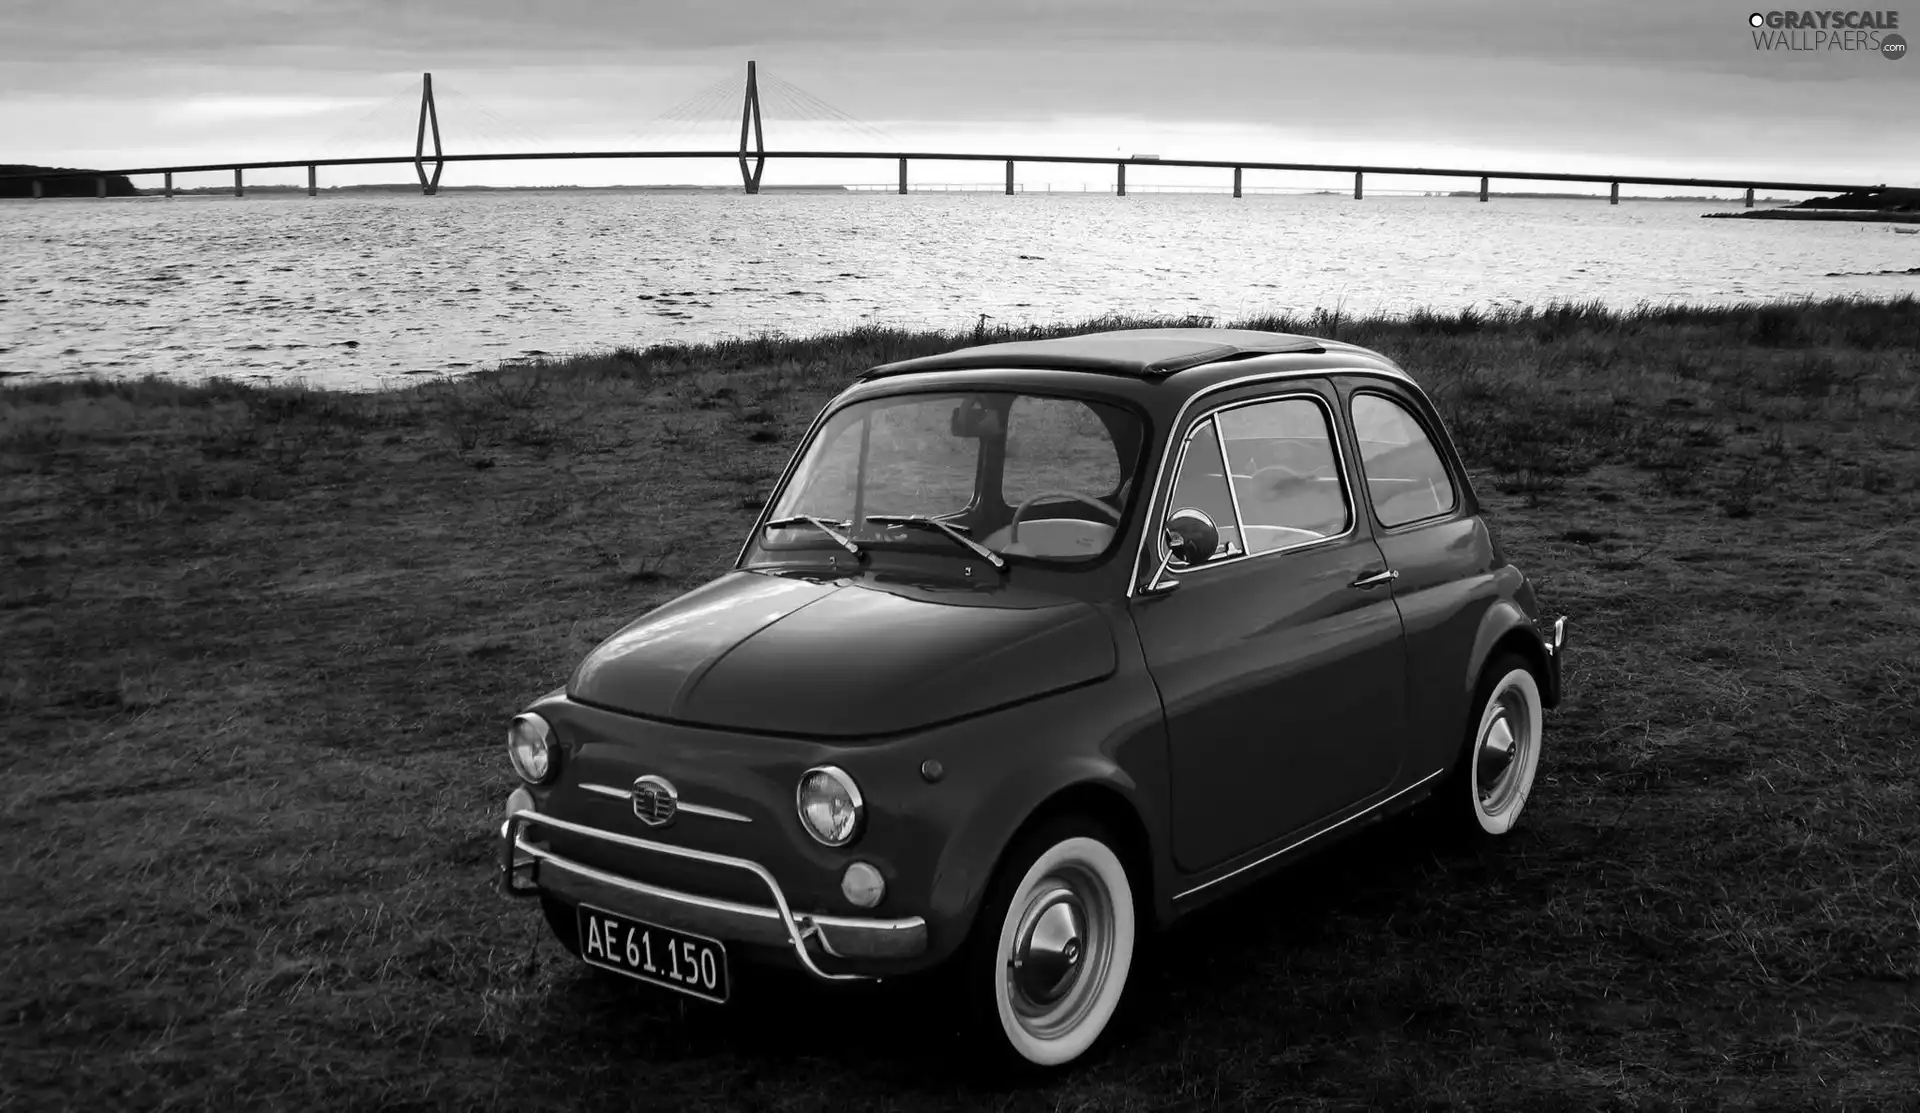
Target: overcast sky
1627, 86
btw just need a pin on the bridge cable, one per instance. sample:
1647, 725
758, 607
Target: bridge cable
694, 118
701, 105
830, 112
510, 136
356, 131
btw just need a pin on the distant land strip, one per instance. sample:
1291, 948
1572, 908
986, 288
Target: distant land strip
63, 181
1882, 206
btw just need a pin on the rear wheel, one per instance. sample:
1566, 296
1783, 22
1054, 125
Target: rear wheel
1496, 769
1050, 954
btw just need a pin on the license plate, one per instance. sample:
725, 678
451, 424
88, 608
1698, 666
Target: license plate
692, 964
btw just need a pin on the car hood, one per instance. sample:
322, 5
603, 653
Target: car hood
765, 653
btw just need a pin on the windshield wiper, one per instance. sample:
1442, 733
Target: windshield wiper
824, 525
926, 522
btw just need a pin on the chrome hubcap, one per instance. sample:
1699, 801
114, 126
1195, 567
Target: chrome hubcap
1048, 947
1062, 946
1500, 751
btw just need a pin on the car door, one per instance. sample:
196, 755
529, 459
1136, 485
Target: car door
1436, 544
1280, 662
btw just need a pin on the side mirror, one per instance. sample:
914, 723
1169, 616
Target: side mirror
1191, 538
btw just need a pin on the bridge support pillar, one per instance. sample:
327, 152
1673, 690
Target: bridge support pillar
429, 113
39, 190
750, 117
1357, 178
100, 185
1121, 181
1749, 197
239, 188
1236, 181
1009, 177
313, 180
1483, 187
169, 185
903, 175
1614, 199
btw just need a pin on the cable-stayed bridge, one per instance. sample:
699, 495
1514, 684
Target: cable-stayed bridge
691, 120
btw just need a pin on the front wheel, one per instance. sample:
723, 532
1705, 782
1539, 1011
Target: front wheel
1053, 947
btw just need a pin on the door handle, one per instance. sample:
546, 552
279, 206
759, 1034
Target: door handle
1376, 579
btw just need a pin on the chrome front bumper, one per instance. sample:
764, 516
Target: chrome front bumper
810, 935
1553, 637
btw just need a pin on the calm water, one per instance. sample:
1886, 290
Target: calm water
363, 291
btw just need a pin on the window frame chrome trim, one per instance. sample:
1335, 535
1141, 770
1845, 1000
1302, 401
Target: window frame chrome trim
1246, 553
1360, 462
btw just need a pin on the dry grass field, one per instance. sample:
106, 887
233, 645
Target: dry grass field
259, 646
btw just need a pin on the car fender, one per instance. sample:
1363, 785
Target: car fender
975, 851
1501, 619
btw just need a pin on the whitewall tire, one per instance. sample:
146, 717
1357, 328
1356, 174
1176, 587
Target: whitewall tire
1503, 751
1055, 945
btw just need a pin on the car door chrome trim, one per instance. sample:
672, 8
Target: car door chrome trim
1376, 579
1296, 844
1347, 495
682, 805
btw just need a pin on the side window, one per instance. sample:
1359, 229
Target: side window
1285, 474
1057, 444
1405, 477
1202, 485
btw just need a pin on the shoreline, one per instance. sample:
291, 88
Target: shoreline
1869, 216
840, 346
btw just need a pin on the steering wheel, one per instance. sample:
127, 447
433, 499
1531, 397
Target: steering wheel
1013, 528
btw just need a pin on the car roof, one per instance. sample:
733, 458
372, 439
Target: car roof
1141, 353
1153, 365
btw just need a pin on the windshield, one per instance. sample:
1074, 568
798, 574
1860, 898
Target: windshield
971, 460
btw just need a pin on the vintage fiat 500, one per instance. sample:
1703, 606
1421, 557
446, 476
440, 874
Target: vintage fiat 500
1038, 646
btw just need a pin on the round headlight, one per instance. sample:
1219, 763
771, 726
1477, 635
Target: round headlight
528, 738
830, 805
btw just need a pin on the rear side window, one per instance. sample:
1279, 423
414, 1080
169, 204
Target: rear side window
1405, 477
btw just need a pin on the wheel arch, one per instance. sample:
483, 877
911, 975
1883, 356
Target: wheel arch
1102, 792
1113, 811
1506, 629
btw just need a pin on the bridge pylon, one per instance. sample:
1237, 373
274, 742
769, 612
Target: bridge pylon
750, 117
429, 114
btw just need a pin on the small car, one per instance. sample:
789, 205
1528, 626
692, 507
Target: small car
1036, 647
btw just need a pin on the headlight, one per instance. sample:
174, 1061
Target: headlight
830, 805
528, 738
